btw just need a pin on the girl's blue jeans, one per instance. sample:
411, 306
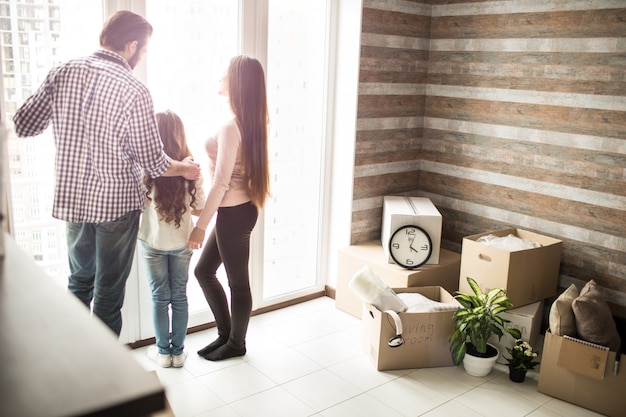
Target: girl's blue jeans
168, 273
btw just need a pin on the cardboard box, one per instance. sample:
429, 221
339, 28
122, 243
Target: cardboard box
418, 211
527, 320
528, 276
425, 334
353, 258
569, 383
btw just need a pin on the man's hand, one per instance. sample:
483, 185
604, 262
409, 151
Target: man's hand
186, 168
191, 169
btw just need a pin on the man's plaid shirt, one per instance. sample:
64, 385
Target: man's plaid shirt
105, 133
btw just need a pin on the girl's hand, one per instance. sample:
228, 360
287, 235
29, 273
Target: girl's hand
195, 239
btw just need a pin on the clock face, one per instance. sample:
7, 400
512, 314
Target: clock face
410, 246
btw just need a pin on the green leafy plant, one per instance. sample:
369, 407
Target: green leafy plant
478, 319
522, 356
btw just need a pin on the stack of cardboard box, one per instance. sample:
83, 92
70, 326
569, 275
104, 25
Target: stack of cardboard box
425, 334
529, 276
571, 370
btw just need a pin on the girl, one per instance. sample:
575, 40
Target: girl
238, 158
165, 227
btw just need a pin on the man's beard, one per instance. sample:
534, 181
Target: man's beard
134, 60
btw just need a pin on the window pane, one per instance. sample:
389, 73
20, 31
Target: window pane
295, 79
68, 30
192, 44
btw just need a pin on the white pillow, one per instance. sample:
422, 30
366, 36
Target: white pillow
417, 303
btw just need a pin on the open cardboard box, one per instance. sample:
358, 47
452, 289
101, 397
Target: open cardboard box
425, 334
579, 373
528, 276
352, 258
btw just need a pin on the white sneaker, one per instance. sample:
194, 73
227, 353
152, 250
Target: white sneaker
179, 360
162, 360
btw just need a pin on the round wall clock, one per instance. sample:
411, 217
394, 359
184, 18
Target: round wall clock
410, 246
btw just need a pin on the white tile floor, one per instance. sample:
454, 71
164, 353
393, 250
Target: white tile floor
307, 360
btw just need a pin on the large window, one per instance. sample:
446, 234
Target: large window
296, 74
189, 51
187, 56
28, 54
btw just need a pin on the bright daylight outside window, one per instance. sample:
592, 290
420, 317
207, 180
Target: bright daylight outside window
192, 43
33, 39
190, 50
296, 77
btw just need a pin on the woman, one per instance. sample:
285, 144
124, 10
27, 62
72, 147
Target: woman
238, 158
163, 239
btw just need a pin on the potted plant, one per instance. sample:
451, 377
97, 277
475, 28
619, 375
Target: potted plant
475, 322
522, 359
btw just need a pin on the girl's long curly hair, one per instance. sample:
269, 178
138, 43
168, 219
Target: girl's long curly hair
169, 192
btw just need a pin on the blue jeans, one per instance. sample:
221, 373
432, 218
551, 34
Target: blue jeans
100, 257
168, 273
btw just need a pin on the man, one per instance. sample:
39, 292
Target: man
106, 136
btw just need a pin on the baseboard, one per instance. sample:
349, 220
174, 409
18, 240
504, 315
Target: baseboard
330, 292
206, 326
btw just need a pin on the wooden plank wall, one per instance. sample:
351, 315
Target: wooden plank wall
505, 114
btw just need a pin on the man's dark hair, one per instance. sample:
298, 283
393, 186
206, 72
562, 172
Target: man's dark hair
124, 27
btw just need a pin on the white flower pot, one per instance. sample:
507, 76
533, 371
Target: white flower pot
477, 366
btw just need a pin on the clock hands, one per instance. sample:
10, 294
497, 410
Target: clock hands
403, 249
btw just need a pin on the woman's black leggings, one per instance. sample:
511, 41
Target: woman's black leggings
229, 243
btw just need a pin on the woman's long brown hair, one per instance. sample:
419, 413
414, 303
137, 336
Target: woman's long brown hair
169, 192
248, 101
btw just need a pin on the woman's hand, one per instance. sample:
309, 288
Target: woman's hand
195, 239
